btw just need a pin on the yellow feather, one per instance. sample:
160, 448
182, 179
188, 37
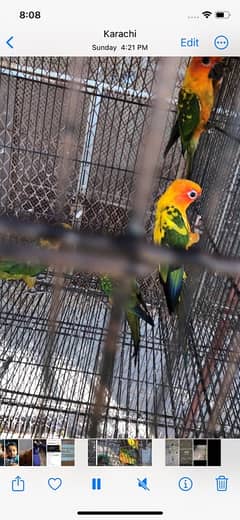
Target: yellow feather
29, 281
169, 200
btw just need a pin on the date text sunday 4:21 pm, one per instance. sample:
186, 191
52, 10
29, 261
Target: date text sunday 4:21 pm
107, 33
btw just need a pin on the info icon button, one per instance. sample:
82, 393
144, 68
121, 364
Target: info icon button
185, 484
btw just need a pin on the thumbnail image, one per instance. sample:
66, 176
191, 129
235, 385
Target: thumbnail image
11, 453
200, 452
39, 452
54, 457
93, 150
25, 452
214, 452
186, 452
172, 452
2, 452
92, 453
146, 454
124, 452
193, 452
68, 452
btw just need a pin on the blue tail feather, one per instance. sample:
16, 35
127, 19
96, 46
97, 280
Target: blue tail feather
173, 287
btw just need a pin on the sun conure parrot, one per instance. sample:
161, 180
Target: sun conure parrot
135, 310
12, 270
195, 102
172, 229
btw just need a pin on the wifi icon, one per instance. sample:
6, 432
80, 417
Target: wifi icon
206, 14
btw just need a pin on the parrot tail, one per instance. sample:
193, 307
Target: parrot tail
143, 314
189, 164
173, 138
136, 351
190, 151
172, 287
134, 325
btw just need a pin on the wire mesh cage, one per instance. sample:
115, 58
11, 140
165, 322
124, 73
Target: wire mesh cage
74, 159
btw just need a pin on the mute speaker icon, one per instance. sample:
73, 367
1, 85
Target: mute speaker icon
143, 484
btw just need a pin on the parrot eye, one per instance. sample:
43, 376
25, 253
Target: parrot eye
192, 194
206, 61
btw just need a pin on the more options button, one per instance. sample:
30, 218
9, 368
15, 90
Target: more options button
221, 42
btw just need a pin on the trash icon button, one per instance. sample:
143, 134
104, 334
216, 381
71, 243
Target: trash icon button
222, 483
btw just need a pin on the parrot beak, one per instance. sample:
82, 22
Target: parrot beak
216, 72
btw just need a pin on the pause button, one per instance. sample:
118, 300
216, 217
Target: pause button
96, 483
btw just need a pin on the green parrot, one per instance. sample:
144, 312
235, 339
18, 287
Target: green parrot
11, 270
196, 99
135, 310
172, 229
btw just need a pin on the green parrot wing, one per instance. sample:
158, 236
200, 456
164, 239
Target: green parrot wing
13, 268
134, 325
174, 230
132, 318
174, 233
137, 305
188, 116
130, 314
135, 309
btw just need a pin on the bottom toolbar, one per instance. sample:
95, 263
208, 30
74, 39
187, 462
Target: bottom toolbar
138, 477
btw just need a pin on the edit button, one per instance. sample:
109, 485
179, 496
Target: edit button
189, 42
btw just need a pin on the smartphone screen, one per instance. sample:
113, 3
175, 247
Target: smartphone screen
119, 260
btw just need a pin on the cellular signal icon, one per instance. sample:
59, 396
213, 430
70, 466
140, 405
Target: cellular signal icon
206, 14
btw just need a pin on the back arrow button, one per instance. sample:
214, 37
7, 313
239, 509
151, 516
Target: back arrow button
8, 42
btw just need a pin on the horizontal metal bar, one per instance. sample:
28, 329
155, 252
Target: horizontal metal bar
102, 254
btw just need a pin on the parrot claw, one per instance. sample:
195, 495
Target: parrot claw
198, 225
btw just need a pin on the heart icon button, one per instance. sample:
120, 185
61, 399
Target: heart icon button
54, 483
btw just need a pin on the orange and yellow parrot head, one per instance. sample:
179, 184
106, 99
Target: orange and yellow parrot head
181, 193
210, 67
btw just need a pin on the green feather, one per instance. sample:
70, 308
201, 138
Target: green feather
188, 119
175, 232
106, 285
135, 309
134, 325
12, 268
175, 235
188, 116
173, 287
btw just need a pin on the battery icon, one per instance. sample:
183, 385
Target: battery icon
222, 14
